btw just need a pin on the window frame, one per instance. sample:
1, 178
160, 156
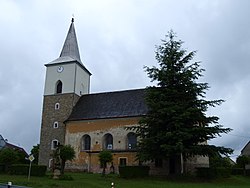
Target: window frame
131, 140
53, 145
55, 125
123, 158
108, 141
57, 106
84, 143
59, 87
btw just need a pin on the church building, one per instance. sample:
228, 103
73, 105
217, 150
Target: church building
89, 122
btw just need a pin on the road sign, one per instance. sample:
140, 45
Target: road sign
31, 158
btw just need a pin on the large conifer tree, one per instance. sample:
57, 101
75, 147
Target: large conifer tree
177, 123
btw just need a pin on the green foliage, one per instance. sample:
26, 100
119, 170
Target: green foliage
23, 169
176, 121
2, 168
242, 161
66, 177
237, 171
8, 156
211, 173
21, 157
67, 153
35, 152
133, 171
218, 161
86, 180
105, 157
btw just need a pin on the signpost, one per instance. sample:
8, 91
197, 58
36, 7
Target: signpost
31, 158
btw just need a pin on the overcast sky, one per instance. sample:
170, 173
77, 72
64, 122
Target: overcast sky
116, 39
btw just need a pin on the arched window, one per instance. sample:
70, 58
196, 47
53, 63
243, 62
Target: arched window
54, 144
59, 86
132, 140
86, 142
57, 106
108, 141
55, 125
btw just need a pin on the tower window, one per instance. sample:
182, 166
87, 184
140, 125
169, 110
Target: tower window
54, 144
59, 87
55, 125
57, 106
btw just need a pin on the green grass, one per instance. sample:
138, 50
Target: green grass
96, 181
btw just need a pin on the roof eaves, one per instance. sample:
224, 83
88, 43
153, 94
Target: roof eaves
100, 118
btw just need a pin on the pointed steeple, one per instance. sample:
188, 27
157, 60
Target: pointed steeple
70, 50
70, 47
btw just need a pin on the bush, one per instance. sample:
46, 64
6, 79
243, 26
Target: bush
2, 168
204, 172
211, 173
133, 171
237, 171
23, 169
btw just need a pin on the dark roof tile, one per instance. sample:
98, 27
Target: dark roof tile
128, 103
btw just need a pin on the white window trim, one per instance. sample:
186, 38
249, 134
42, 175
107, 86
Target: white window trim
55, 125
50, 163
52, 144
57, 106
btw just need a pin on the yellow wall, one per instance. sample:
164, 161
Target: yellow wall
89, 161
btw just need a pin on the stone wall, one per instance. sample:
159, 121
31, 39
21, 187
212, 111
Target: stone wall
51, 115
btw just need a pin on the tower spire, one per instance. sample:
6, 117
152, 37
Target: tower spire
70, 50
70, 47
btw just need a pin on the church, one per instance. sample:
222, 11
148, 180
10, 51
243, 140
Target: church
91, 122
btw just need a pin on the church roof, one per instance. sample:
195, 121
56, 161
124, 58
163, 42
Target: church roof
128, 103
70, 50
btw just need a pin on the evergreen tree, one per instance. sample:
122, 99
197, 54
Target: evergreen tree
176, 123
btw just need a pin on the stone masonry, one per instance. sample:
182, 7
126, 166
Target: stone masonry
49, 116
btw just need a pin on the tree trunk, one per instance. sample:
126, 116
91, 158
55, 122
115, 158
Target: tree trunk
104, 169
62, 167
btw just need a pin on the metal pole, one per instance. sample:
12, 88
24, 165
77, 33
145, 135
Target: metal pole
29, 171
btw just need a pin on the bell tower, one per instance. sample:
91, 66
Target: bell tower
66, 80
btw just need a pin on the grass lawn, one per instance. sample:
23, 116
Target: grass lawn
96, 181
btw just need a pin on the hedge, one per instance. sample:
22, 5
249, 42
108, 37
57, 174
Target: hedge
211, 173
237, 171
2, 168
133, 171
23, 169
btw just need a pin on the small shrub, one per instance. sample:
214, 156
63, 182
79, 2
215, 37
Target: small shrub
237, 171
2, 168
204, 172
211, 173
133, 171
